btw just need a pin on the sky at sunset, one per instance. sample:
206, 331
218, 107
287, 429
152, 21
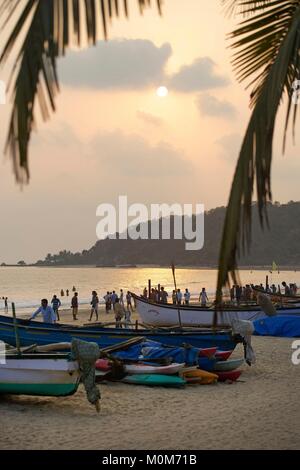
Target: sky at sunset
113, 135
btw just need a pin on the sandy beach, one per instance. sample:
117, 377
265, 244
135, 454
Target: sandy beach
261, 411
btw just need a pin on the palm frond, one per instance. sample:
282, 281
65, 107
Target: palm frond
54, 25
268, 47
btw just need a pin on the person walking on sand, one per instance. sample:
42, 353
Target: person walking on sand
187, 297
56, 303
95, 305
74, 305
121, 297
119, 313
113, 299
128, 301
203, 299
46, 311
179, 297
107, 302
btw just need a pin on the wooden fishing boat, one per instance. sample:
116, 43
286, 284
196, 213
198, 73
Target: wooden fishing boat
33, 332
39, 374
158, 314
293, 300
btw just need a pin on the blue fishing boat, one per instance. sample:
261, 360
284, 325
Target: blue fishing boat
33, 332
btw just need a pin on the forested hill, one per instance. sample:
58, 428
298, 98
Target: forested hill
281, 243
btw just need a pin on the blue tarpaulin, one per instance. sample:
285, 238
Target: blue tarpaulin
286, 326
154, 350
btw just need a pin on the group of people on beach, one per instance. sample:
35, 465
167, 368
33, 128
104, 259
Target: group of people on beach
248, 292
160, 295
50, 313
114, 302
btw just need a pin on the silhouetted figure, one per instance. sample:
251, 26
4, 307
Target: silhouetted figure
56, 303
95, 305
74, 305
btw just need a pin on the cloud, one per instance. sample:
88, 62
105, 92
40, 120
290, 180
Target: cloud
116, 64
230, 144
132, 156
200, 75
211, 106
150, 118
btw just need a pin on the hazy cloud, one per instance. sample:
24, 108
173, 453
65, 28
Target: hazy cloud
212, 106
116, 64
150, 118
200, 75
131, 155
230, 145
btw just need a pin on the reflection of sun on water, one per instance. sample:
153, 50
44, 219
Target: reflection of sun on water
162, 92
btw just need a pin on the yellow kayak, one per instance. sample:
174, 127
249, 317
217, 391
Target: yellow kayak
198, 376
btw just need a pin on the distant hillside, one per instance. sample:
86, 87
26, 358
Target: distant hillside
279, 243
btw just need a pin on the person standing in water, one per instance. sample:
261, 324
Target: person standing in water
74, 305
95, 305
56, 303
128, 300
5, 304
62, 293
67, 292
46, 311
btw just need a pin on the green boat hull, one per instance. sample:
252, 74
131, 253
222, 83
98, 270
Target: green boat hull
155, 380
52, 390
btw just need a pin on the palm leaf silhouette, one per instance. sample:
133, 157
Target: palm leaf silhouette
54, 25
267, 44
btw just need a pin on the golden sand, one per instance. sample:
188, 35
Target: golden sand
261, 411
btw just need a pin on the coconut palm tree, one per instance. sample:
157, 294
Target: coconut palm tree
266, 45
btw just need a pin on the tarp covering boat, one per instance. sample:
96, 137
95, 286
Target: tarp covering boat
283, 326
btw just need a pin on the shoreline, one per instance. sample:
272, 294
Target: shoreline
152, 266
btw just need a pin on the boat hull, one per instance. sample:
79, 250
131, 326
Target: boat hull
170, 315
32, 332
39, 376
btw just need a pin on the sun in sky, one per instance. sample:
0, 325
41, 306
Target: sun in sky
162, 92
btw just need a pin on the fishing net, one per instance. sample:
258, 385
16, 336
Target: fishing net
86, 354
266, 305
